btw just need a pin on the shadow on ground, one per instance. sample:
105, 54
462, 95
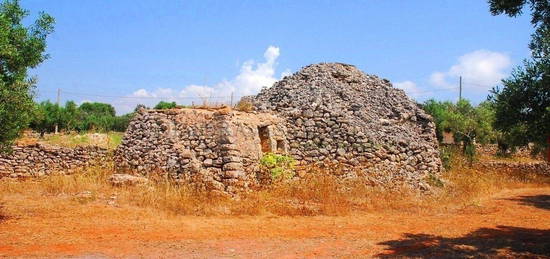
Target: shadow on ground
502, 241
539, 201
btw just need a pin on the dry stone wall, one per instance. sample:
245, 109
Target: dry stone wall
540, 167
216, 149
521, 152
325, 113
40, 159
334, 113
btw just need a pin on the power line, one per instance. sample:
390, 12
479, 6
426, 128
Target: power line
460, 86
229, 97
476, 84
141, 97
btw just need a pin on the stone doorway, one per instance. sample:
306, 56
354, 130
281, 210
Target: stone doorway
263, 133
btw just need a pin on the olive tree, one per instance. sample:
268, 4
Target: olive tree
21, 48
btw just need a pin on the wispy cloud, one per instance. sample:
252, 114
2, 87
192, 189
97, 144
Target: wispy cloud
412, 89
481, 70
250, 80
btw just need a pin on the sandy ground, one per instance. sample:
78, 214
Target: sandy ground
512, 224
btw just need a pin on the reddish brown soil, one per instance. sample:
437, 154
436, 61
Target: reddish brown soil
513, 223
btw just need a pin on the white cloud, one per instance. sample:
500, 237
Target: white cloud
141, 93
250, 80
439, 79
411, 89
481, 70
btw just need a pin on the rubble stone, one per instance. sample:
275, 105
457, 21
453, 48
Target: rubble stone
213, 148
39, 159
334, 111
325, 113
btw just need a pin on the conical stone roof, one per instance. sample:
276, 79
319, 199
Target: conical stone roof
335, 112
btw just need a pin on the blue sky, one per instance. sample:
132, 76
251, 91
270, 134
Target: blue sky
129, 52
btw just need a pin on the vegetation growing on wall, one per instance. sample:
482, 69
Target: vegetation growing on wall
279, 166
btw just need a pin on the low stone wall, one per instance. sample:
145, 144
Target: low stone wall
522, 152
523, 167
40, 159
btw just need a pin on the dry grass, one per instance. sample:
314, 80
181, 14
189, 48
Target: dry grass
244, 106
109, 140
318, 194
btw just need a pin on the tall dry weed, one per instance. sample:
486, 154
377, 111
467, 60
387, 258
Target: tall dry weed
318, 193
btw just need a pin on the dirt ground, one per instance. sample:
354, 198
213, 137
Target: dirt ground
513, 223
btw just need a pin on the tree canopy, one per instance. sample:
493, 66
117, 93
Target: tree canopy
165, 105
88, 116
523, 104
21, 48
469, 124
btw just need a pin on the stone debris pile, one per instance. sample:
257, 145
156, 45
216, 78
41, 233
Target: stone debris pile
335, 113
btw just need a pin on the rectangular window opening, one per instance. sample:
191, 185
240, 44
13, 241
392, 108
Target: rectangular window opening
280, 146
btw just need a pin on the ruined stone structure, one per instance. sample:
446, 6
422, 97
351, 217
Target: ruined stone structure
218, 148
335, 113
325, 113
39, 159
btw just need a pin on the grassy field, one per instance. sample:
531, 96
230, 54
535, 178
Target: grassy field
108, 140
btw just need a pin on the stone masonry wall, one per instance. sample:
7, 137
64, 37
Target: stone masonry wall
336, 114
540, 167
39, 159
216, 149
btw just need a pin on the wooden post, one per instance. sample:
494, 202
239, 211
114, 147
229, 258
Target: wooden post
58, 97
460, 89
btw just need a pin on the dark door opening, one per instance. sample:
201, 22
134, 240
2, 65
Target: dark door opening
263, 133
280, 146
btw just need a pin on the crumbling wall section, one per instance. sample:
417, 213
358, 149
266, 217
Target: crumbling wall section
215, 149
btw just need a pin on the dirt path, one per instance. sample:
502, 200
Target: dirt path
512, 223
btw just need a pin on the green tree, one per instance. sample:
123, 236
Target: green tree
523, 104
469, 124
89, 116
97, 109
96, 116
121, 122
21, 48
46, 116
441, 112
165, 105
69, 116
540, 19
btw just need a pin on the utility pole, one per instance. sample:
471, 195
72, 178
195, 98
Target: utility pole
231, 104
58, 97
460, 88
